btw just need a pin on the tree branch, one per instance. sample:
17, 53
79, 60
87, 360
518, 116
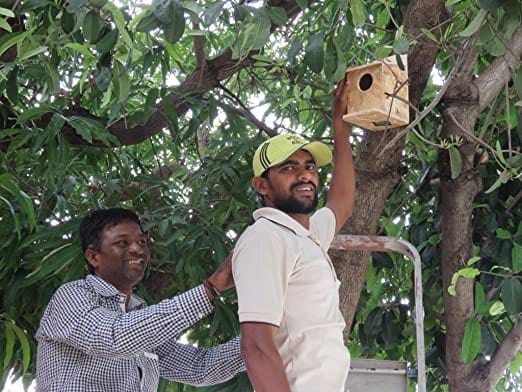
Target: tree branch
506, 352
245, 113
491, 81
194, 87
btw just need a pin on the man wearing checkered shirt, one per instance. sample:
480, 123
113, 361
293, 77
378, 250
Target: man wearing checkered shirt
96, 335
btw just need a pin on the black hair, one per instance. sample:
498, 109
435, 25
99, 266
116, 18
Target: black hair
260, 196
92, 225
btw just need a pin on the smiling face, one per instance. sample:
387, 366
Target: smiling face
290, 186
122, 256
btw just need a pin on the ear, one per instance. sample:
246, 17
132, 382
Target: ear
92, 257
260, 184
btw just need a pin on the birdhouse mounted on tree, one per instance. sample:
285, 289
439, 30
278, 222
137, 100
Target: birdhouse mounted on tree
378, 95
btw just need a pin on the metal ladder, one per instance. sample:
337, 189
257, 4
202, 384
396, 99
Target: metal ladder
392, 244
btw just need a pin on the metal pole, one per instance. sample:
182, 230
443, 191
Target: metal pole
391, 244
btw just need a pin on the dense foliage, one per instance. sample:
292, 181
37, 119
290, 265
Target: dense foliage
158, 107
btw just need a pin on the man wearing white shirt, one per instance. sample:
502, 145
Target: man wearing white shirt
291, 325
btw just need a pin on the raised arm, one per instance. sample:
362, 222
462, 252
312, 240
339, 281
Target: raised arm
263, 362
341, 196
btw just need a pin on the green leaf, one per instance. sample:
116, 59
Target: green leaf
511, 295
471, 341
147, 24
470, 273
175, 28
34, 113
516, 365
330, 59
7, 12
5, 26
278, 15
516, 257
12, 86
75, 5
120, 22
475, 24
26, 350
212, 13
81, 130
401, 46
455, 162
373, 323
303, 4
92, 26
253, 37
430, 35
481, 307
314, 53
81, 48
18, 226
497, 308
358, 12
295, 48
30, 53
108, 41
9, 343
490, 5
9, 40
503, 234
26, 204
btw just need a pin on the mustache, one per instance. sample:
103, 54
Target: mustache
304, 183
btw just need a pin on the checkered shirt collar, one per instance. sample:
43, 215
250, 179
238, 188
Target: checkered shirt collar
106, 289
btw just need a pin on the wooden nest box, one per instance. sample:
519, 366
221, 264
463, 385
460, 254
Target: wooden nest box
378, 95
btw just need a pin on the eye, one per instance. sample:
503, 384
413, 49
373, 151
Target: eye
122, 243
311, 167
142, 243
288, 168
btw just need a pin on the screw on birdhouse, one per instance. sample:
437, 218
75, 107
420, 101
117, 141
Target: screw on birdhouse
378, 98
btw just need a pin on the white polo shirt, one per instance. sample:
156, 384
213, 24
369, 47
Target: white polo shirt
284, 277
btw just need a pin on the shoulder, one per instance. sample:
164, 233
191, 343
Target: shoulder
323, 216
261, 228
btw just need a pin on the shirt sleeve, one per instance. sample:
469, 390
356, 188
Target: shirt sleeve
200, 366
262, 265
322, 224
76, 317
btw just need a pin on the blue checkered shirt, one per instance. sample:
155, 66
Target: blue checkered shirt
88, 342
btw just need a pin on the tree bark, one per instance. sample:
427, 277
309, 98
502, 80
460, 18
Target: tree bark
376, 175
464, 101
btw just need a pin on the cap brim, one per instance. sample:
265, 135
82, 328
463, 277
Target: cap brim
320, 152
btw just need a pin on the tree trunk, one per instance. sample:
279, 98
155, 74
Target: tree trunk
457, 197
377, 175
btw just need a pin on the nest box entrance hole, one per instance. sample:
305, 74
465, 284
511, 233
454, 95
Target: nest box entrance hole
365, 82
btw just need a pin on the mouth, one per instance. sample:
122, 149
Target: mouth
305, 189
139, 262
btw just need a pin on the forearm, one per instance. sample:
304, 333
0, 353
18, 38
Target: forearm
265, 370
341, 195
199, 366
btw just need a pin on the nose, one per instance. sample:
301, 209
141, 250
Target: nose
136, 247
305, 175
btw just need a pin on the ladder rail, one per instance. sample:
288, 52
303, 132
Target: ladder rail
393, 244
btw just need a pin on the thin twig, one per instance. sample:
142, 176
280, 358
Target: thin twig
508, 120
470, 134
425, 112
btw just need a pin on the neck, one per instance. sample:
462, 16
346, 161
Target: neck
303, 219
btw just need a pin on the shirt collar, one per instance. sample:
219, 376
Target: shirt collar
282, 219
106, 289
